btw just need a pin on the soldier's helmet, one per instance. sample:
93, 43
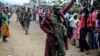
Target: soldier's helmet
56, 7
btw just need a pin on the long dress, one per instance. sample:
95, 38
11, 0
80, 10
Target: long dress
5, 28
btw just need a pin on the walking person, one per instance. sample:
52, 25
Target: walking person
5, 26
83, 32
53, 25
27, 20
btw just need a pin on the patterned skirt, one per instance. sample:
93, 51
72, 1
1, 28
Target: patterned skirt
5, 30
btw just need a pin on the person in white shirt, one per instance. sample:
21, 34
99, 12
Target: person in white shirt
73, 24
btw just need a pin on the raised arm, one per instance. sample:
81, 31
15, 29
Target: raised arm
67, 7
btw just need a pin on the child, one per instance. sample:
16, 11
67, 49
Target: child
75, 29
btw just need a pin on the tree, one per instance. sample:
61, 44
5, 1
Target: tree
97, 4
1, 4
57, 1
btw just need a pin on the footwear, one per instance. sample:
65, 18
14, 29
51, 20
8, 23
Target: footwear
26, 33
87, 52
77, 47
5, 40
80, 51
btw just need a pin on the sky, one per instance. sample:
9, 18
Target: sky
19, 2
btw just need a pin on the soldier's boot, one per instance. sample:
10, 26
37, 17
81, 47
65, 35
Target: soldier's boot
26, 32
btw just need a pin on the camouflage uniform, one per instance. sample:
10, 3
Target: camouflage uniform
27, 20
18, 14
54, 26
58, 47
22, 16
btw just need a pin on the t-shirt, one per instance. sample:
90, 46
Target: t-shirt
73, 23
5, 19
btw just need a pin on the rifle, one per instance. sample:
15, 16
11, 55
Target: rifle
55, 30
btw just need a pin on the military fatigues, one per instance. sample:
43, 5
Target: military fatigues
22, 17
27, 20
58, 47
18, 14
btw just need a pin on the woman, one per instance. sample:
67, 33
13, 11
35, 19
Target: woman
5, 28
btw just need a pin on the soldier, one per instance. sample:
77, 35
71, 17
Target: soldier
54, 26
27, 20
22, 16
18, 14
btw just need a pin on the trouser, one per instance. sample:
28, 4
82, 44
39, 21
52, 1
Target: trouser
26, 25
40, 19
82, 40
69, 32
17, 18
0, 27
99, 39
93, 39
57, 50
21, 20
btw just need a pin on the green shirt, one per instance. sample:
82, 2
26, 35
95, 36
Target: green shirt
5, 20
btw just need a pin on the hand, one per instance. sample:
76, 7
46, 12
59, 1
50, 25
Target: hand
96, 31
51, 32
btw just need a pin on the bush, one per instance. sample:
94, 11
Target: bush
75, 8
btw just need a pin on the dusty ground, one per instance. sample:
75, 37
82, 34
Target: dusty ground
29, 45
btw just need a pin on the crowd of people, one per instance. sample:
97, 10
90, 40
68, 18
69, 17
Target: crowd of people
61, 24
84, 29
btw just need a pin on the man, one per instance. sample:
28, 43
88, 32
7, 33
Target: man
17, 12
91, 26
54, 26
22, 16
27, 20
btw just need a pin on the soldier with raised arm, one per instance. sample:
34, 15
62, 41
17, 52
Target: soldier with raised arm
55, 27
